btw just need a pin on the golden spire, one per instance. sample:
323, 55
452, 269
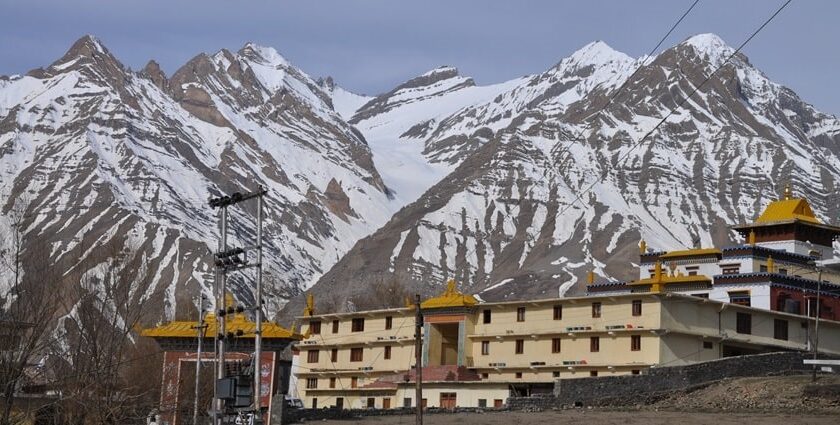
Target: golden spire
657, 278
450, 287
309, 310
770, 264
228, 300
751, 239
788, 192
642, 247
590, 278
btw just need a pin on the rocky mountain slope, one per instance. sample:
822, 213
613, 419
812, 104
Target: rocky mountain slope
97, 154
516, 217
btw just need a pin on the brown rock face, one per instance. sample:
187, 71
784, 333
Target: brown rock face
337, 202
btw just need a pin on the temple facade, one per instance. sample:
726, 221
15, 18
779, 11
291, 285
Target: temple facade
478, 354
774, 269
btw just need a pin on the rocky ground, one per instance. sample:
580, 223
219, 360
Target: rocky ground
765, 400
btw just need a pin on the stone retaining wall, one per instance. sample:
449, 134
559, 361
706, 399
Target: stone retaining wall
632, 389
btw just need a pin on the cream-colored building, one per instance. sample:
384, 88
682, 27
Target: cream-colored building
478, 354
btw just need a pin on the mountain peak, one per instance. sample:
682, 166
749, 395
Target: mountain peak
86, 50
262, 54
86, 46
709, 45
442, 71
597, 52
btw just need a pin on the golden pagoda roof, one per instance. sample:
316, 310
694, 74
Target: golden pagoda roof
451, 297
667, 280
235, 322
691, 253
788, 209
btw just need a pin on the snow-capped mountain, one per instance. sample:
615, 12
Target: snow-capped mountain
507, 222
100, 154
438, 178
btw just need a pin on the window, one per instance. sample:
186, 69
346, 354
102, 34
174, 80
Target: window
520, 346
312, 356
387, 352
485, 375
520, 314
356, 354
692, 270
371, 402
335, 326
743, 323
354, 382
555, 345
485, 348
314, 403
594, 344
482, 402
315, 327
593, 373
498, 403
783, 271
740, 297
389, 322
558, 312
780, 329
637, 307
487, 316
407, 402
708, 345
332, 382
358, 325
635, 342
311, 383
334, 355
555, 374
518, 375
762, 268
386, 403
339, 402
596, 310
635, 372
730, 269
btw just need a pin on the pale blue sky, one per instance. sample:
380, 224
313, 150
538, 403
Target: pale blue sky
370, 46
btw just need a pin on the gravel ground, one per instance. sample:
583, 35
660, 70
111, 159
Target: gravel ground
598, 417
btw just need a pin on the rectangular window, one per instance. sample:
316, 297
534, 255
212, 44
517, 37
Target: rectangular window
635, 342
594, 344
596, 310
780, 329
389, 322
335, 326
762, 268
637, 307
315, 327
558, 312
740, 297
743, 323
635, 372
555, 374
487, 315
555, 345
334, 355
518, 375
332, 382
708, 345
339, 402
311, 383
520, 314
407, 402
593, 373
520, 346
485, 348
482, 402
386, 403
387, 352
312, 356
730, 269
354, 382
783, 271
356, 354
485, 375
371, 402
358, 325
314, 403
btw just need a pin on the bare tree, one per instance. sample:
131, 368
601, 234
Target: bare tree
29, 300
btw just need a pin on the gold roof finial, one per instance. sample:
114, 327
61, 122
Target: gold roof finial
642, 247
450, 287
309, 310
751, 239
770, 264
590, 278
228, 300
788, 192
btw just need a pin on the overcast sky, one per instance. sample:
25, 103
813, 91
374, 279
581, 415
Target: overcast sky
370, 46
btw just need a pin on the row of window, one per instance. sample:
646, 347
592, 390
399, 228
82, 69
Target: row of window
356, 325
558, 312
594, 345
743, 325
356, 354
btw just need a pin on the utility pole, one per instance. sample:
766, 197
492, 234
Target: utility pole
817, 321
258, 312
200, 332
418, 360
220, 320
